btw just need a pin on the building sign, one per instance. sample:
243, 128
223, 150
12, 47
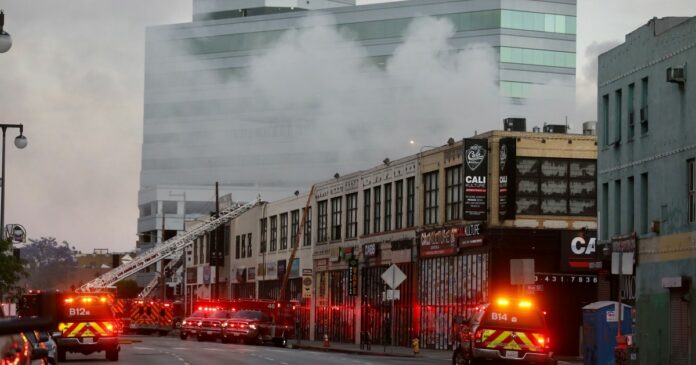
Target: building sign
282, 266
206, 274
251, 274
353, 278
321, 264
507, 186
295, 268
335, 254
271, 269
241, 275
475, 175
370, 249
192, 275
471, 235
442, 242
401, 245
307, 283
579, 251
564, 279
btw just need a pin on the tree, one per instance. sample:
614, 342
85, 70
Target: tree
48, 263
127, 289
11, 271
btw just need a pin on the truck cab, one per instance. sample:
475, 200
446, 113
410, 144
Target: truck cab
87, 325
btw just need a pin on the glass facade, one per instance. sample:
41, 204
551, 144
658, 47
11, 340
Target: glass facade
537, 57
514, 89
550, 23
379, 29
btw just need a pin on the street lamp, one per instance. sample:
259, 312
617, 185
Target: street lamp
5, 39
20, 142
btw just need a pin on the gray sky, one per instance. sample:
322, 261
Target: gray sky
74, 78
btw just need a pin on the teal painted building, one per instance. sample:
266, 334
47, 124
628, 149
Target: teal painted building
647, 146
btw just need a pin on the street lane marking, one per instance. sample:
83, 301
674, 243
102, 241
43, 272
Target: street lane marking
143, 348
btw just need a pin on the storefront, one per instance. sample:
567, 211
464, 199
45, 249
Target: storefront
453, 279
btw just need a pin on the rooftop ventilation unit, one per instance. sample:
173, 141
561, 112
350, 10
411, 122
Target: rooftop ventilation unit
515, 124
555, 128
589, 128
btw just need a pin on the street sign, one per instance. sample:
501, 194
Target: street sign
623, 262
16, 233
393, 277
307, 283
521, 271
391, 295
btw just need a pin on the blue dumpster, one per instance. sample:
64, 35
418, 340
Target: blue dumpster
599, 330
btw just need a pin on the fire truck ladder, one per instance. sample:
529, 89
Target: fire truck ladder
168, 248
172, 266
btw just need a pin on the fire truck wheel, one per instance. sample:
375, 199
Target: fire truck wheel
112, 355
61, 355
183, 336
462, 358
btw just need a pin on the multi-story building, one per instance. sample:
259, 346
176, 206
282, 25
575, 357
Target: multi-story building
647, 135
451, 218
199, 128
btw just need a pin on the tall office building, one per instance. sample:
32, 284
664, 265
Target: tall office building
219, 106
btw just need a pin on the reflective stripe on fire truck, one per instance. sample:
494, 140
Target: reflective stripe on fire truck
511, 340
85, 329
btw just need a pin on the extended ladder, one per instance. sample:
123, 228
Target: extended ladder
169, 247
175, 262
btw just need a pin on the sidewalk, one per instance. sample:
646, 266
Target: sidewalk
379, 350
376, 350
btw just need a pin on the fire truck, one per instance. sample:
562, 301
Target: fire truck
148, 316
87, 325
258, 321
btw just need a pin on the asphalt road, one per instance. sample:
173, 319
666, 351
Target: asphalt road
173, 351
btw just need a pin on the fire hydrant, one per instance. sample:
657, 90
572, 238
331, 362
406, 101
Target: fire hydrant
415, 344
326, 341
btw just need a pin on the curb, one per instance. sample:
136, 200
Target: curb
348, 351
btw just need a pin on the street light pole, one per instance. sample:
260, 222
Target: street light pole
20, 142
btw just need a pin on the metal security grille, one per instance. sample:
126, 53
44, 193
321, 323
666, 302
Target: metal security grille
376, 314
449, 286
335, 311
270, 289
245, 290
679, 328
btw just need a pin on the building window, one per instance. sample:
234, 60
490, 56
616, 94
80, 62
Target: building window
691, 173
399, 211
387, 207
249, 245
605, 119
644, 202
263, 235
366, 211
617, 208
644, 106
604, 215
352, 215
243, 245
630, 198
430, 195
294, 226
307, 241
554, 186
631, 110
284, 231
540, 22
410, 201
377, 196
618, 96
274, 233
453, 190
321, 227
539, 57
336, 218
237, 248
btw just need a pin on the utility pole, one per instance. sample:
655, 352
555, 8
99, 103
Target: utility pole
163, 280
216, 249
